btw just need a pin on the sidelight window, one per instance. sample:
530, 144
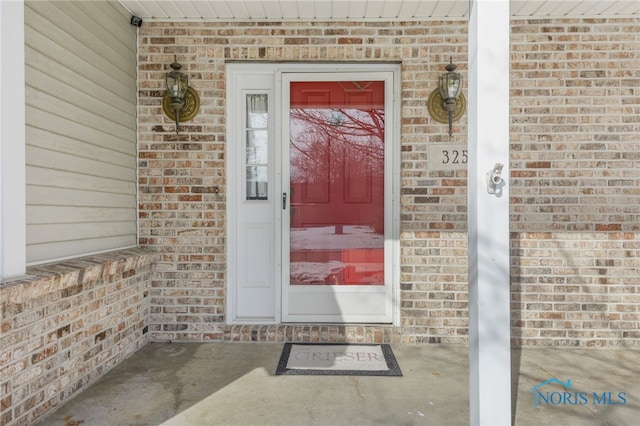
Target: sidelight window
257, 146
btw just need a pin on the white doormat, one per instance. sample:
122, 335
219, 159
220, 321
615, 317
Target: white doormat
338, 359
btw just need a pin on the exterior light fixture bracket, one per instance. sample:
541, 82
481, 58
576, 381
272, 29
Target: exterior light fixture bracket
188, 111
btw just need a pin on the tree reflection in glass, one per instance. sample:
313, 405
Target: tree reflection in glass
337, 183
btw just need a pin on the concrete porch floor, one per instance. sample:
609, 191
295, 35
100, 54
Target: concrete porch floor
234, 384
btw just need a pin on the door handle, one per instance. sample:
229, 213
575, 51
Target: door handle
284, 201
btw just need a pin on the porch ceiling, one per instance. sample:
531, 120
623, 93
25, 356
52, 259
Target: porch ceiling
366, 9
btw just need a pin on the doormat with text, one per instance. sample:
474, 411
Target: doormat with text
338, 359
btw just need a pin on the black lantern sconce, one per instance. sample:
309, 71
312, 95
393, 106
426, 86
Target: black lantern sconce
180, 102
447, 104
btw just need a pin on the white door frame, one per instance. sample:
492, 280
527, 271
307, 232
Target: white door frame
234, 183
338, 303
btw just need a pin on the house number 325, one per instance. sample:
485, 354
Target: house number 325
448, 156
454, 156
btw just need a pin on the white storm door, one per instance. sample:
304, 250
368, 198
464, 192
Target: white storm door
337, 202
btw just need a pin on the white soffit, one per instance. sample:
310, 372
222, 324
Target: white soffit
231, 10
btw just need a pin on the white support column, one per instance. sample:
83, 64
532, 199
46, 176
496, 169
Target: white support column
12, 140
489, 284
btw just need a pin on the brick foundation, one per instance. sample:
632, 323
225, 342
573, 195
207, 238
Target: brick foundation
312, 333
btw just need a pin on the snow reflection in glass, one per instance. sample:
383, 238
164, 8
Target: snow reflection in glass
337, 183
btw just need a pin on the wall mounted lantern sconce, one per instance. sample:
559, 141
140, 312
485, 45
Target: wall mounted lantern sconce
447, 104
180, 102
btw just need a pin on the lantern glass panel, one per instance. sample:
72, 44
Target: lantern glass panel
177, 84
450, 85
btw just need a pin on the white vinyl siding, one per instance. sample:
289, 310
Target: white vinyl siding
80, 129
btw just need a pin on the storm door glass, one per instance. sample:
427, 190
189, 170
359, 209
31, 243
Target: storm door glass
337, 183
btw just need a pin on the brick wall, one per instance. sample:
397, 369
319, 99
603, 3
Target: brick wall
65, 326
574, 183
184, 221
